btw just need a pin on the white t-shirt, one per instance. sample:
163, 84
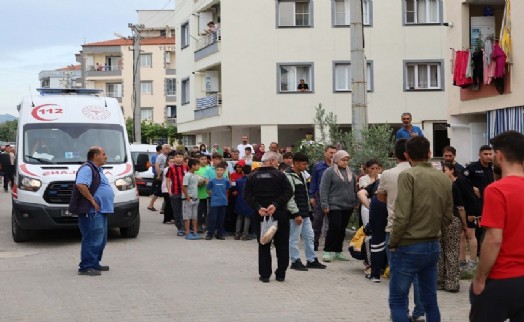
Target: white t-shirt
388, 185
242, 150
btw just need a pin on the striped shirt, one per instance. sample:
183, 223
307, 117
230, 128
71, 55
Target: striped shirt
176, 173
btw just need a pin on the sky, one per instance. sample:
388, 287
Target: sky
38, 35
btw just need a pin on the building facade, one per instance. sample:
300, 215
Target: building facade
108, 65
67, 77
241, 77
477, 113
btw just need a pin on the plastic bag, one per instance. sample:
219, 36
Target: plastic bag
268, 228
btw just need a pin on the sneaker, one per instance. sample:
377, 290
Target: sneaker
221, 238
375, 279
417, 319
247, 237
315, 264
89, 272
190, 237
197, 236
264, 279
237, 236
297, 265
180, 232
327, 257
209, 237
340, 257
103, 268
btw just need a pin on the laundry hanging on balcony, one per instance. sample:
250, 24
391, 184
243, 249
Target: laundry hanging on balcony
462, 61
505, 31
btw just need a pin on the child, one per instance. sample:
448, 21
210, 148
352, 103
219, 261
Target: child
168, 211
190, 203
175, 177
217, 188
202, 191
243, 211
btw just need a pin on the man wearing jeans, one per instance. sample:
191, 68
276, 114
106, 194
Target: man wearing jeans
387, 192
92, 201
423, 207
300, 210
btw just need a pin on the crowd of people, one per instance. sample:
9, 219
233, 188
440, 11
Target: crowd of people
418, 219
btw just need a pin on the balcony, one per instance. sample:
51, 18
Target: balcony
103, 71
208, 45
208, 106
170, 97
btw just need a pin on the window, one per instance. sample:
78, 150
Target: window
171, 111
146, 60
342, 76
423, 76
146, 87
422, 11
184, 39
341, 15
294, 13
114, 90
113, 63
170, 86
290, 75
185, 91
146, 114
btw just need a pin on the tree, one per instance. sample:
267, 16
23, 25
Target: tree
8, 131
153, 132
377, 140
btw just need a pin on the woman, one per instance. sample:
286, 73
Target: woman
337, 199
448, 265
203, 150
261, 149
372, 168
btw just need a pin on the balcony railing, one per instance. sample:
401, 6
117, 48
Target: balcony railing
213, 100
103, 68
208, 40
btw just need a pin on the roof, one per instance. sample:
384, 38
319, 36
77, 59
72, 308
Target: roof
129, 42
70, 67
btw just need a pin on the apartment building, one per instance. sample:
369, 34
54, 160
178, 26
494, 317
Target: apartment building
477, 113
108, 65
66, 77
241, 77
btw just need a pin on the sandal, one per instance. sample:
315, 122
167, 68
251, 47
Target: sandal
151, 208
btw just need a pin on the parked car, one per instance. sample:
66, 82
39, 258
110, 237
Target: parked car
144, 180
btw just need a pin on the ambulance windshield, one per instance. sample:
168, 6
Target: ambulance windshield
68, 143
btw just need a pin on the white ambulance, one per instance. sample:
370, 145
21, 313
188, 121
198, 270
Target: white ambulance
55, 130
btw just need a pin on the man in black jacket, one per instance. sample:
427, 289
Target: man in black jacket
267, 191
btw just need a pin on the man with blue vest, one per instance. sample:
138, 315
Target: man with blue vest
92, 200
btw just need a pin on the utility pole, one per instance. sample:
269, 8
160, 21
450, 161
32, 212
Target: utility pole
137, 119
359, 113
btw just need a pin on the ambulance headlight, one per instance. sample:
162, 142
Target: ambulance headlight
125, 183
28, 184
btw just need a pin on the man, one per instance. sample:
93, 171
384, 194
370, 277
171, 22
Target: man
387, 192
480, 175
299, 209
287, 158
242, 147
314, 191
498, 288
156, 184
159, 164
423, 207
408, 130
302, 86
268, 191
92, 201
8, 167
8, 161
449, 153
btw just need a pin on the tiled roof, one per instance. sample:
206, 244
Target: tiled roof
70, 67
128, 42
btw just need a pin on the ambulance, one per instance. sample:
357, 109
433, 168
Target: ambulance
55, 130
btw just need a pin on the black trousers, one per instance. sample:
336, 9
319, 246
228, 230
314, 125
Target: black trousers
8, 177
501, 299
281, 242
338, 222
317, 220
202, 212
168, 210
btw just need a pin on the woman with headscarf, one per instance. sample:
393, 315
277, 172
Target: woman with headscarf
337, 198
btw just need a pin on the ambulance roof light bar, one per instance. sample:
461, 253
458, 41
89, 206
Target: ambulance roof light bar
70, 91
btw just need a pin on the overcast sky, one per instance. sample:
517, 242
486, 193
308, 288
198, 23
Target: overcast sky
38, 35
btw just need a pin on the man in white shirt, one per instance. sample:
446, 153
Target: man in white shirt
242, 147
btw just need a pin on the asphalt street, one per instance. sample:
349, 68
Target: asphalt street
161, 277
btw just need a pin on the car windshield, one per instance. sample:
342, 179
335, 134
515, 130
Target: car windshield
68, 143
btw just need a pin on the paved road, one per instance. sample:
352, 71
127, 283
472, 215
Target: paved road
161, 277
